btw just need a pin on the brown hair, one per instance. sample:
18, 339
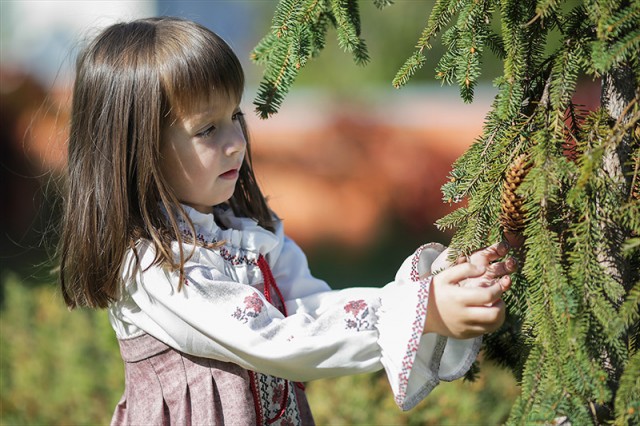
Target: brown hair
128, 80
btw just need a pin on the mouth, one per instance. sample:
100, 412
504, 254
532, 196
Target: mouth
230, 174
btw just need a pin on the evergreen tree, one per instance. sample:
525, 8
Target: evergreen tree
561, 183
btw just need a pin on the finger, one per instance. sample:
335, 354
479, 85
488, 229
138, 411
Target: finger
505, 283
483, 320
499, 269
489, 254
446, 254
461, 259
460, 272
490, 318
481, 296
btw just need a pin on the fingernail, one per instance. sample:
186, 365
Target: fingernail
512, 263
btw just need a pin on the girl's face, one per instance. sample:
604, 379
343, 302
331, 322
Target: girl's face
202, 151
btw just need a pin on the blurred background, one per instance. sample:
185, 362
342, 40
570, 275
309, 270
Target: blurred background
352, 165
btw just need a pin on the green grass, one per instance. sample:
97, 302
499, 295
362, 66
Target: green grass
367, 400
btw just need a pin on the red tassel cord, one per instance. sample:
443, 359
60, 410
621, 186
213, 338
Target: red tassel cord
269, 286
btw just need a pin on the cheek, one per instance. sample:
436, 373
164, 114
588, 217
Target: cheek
168, 162
174, 165
171, 173
187, 170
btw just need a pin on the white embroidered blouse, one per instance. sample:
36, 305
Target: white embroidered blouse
221, 312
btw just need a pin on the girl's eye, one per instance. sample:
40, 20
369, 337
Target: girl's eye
237, 115
206, 132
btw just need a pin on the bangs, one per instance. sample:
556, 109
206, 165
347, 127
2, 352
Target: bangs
195, 64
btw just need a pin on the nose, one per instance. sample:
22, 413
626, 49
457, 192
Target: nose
235, 142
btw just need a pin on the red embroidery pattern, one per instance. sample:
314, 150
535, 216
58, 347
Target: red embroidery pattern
414, 340
415, 260
253, 305
417, 327
414, 274
278, 394
359, 321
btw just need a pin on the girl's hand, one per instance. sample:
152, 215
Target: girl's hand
495, 272
464, 300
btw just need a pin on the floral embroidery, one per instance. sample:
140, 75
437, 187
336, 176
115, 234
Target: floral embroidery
355, 306
253, 305
359, 321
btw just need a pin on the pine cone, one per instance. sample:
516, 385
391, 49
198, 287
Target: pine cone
512, 213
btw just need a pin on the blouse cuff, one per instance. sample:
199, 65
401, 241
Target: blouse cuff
416, 362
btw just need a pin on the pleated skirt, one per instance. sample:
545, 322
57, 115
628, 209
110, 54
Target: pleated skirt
166, 387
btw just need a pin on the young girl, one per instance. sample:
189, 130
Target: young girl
217, 315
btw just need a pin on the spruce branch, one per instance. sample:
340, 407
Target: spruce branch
532, 378
544, 9
634, 191
600, 138
496, 44
608, 55
473, 31
381, 4
286, 49
440, 15
447, 67
297, 34
612, 23
261, 54
564, 77
629, 312
408, 69
627, 403
284, 15
618, 32
347, 19
277, 81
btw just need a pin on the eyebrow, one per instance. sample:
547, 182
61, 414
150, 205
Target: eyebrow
199, 124
199, 121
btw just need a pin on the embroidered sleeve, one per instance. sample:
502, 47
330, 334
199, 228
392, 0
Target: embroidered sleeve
415, 363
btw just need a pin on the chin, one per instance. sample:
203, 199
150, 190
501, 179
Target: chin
222, 201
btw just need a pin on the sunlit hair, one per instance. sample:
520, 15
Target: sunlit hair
129, 80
